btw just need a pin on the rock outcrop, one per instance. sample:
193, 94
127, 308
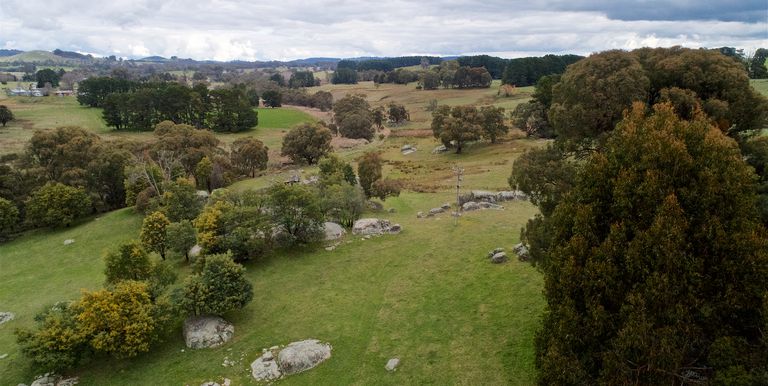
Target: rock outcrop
303, 355
333, 231
207, 331
374, 227
6, 317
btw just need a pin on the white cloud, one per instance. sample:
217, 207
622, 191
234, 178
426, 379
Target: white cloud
290, 29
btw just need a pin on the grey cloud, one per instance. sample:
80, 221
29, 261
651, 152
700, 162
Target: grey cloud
230, 29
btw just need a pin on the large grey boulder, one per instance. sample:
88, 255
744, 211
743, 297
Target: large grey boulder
6, 317
435, 211
207, 331
392, 364
303, 355
333, 231
469, 206
490, 205
195, 251
499, 258
484, 195
373, 227
408, 149
265, 368
521, 251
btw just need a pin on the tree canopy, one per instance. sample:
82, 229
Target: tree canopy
657, 265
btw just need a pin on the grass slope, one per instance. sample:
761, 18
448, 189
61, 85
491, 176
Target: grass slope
428, 296
38, 270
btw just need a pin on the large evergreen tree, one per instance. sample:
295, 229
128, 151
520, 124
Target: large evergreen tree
657, 266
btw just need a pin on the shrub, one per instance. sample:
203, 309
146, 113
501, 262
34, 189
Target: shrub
220, 287
56, 205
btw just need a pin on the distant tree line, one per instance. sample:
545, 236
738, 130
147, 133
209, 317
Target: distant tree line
388, 64
527, 71
130, 105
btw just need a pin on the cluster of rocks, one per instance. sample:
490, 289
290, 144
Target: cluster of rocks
493, 197
521, 251
207, 331
295, 179
6, 317
408, 149
435, 211
498, 256
374, 227
51, 379
297, 357
472, 205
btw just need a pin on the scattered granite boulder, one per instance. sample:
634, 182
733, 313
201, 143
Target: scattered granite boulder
4, 356
303, 355
392, 364
439, 149
202, 194
408, 149
470, 206
495, 251
6, 317
72, 381
483, 195
265, 368
435, 211
499, 258
395, 229
374, 226
210, 383
420, 215
490, 205
69, 241
333, 231
207, 331
49, 379
521, 251
195, 251
446, 206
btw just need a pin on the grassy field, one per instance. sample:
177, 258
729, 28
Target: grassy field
49, 112
761, 85
428, 296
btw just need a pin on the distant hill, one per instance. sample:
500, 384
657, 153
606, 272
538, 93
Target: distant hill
154, 59
71, 55
42, 57
4, 52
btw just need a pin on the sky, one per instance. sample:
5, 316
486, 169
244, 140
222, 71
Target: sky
293, 29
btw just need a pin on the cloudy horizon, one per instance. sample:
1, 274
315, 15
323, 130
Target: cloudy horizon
237, 30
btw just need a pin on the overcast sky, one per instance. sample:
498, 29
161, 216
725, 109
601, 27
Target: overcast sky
291, 29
